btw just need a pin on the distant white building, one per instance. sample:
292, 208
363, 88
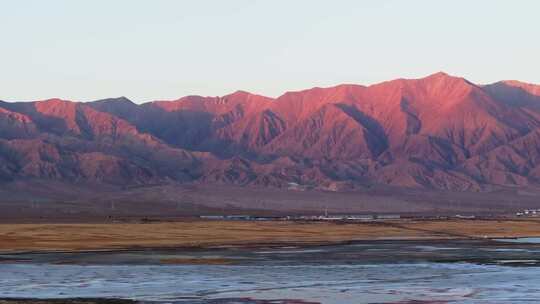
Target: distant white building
388, 216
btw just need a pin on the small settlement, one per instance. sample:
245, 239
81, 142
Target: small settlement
529, 213
326, 217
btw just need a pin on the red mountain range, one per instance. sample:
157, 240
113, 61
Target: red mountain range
438, 132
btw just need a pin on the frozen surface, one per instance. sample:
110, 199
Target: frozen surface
379, 272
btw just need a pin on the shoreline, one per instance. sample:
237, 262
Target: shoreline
270, 245
94, 300
67, 301
226, 261
245, 246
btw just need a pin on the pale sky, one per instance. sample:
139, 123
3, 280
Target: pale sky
160, 49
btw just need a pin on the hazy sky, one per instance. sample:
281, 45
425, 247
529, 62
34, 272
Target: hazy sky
147, 50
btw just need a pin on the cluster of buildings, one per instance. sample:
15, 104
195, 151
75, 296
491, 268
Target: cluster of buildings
529, 212
325, 217
360, 217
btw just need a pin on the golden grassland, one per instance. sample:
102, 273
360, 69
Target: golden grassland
116, 236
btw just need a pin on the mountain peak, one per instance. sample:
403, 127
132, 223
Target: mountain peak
240, 92
55, 101
441, 82
116, 100
442, 76
247, 95
527, 87
122, 99
439, 78
439, 74
119, 106
55, 105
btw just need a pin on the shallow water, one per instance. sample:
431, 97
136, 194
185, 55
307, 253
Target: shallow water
531, 240
365, 272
